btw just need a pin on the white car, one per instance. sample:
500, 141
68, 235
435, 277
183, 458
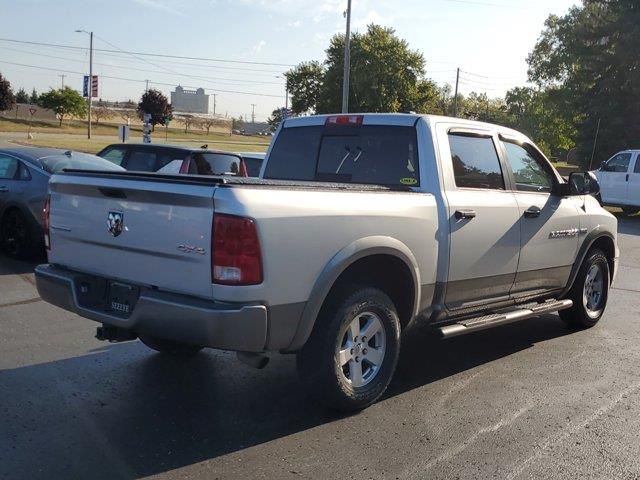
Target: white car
619, 179
359, 227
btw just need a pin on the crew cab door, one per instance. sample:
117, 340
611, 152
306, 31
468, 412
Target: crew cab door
549, 224
613, 178
633, 184
483, 219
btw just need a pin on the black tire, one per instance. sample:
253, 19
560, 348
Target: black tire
16, 237
630, 210
319, 368
170, 347
579, 315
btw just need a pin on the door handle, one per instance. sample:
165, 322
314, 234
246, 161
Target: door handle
532, 212
460, 214
627, 178
4, 189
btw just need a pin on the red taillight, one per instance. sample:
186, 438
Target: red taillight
236, 258
353, 120
45, 222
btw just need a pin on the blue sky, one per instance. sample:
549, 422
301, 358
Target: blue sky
488, 39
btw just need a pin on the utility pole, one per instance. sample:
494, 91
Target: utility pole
347, 61
62, 77
146, 87
214, 104
90, 82
455, 98
253, 113
595, 142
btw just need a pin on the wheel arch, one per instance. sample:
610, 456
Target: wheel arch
598, 238
351, 261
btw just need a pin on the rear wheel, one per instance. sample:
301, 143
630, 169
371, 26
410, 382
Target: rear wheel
589, 292
15, 234
170, 347
352, 353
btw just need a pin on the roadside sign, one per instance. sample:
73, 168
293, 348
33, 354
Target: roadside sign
123, 133
94, 86
32, 111
147, 117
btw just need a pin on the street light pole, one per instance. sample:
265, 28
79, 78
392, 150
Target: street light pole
90, 82
90, 86
347, 62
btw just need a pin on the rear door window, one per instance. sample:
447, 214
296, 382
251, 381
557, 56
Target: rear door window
368, 154
8, 167
475, 162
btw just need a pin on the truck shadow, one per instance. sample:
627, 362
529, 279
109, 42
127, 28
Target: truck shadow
124, 412
11, 266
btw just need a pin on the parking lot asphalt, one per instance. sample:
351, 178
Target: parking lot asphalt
528, 400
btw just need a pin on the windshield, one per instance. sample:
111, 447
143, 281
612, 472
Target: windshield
372, 154
77, 161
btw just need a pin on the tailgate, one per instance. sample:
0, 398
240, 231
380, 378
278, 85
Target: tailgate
137, 230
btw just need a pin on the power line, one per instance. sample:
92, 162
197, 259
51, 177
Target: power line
183, 57
232, 81
140, 81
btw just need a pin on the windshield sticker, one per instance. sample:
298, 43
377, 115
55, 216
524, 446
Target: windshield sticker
408, 181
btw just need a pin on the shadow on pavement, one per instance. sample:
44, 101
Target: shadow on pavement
124, 411
629, 225
11, 266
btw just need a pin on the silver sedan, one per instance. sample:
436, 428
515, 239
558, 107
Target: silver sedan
24, 179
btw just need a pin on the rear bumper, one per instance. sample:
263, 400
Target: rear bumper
166, 315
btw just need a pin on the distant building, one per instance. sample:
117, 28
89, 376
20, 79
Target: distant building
189, 101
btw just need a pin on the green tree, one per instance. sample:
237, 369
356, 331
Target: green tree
64, 102
304, 83
276, 118
156, 104
22, 96
7, 99
33, 98
386, 76
588, 61
535, 112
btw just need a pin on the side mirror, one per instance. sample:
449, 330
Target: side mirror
583, 183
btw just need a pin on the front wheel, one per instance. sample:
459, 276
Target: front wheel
589, 292
352, 353
170, 347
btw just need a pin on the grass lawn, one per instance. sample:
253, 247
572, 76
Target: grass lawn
216, 138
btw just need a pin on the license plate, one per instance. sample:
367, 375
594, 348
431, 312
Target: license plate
121, 298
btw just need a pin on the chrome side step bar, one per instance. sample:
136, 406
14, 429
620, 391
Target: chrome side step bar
481, 323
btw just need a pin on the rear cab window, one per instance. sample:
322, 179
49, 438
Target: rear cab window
362, 154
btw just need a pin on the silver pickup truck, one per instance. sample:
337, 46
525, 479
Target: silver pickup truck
359, 227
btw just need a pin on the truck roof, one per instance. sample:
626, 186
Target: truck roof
399, 119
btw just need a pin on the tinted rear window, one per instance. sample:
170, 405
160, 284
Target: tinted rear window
253, 166
370, 154
216, 164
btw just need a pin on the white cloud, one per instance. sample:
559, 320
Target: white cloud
257, 48
159, 5
294, 24
360, 23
